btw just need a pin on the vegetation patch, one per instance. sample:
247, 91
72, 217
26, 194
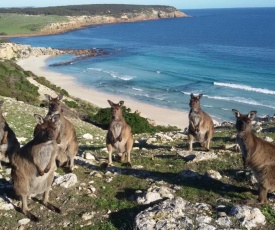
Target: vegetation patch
138, 124
14, 83
45, 82
116, 10
21, 23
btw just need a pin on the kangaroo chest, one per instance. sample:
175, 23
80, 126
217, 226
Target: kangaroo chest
39, 184
242, 145
195, 118
117, 128
44, 154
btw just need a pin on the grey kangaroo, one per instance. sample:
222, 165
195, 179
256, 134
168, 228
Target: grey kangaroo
201, 126
34, 165
257, 153
66, 139
119, 136
8, 141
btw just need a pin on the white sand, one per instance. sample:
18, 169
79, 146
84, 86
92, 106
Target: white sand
162, 116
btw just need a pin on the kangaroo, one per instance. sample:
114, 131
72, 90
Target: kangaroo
257, 153
119, 135
8, 141
66, 139
34, 165
201, 126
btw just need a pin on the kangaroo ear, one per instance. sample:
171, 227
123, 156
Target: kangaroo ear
110, 102
1, 103
55, 118
251, 115
38, 119
236, 113
60, 96
200, 96
192, 95
48, 97
121, 103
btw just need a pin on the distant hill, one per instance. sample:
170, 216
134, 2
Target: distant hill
115, 10
59, 19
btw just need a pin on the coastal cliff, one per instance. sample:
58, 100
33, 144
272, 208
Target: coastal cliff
54, 20
11, 50
76, 22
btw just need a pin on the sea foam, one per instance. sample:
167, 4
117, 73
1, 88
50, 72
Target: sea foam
245, 87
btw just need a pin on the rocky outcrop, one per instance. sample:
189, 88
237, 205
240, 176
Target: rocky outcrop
81, 54
177, 213
16, 51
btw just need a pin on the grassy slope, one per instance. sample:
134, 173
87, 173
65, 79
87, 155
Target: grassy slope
14, 24
113, 202
160, 166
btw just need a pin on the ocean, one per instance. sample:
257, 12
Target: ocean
228, 55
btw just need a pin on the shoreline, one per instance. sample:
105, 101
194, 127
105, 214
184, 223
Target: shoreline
161, 115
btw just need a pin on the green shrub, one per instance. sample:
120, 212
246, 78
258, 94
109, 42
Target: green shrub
45, 82
71, 104
3, 40
138, 124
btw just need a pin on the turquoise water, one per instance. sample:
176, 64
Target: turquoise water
226, 54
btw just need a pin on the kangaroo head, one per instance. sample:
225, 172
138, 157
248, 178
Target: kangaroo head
54, 104
195, 101
243, 122
46, 130
116, 109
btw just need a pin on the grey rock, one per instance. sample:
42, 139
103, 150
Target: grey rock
248, 217
66, 181
169, 214
155, 193
195, 156
5, 204
24, 221
213, 174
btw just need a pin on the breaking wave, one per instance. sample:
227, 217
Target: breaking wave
245, 87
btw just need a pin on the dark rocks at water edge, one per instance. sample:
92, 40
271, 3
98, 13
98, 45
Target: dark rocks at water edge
81, 54
10, 50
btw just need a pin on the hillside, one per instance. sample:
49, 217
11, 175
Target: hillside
162, 168
167, 187
51, 20
116, 10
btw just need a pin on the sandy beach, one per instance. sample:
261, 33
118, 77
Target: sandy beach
162, 116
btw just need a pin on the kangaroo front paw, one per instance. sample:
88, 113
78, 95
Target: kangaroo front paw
46, 170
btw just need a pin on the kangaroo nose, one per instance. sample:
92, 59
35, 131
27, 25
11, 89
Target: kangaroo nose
50, 136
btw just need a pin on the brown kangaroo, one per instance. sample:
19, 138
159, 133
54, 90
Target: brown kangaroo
67, 139
8, 141
34, 165
119, 135
257, 153
201, 126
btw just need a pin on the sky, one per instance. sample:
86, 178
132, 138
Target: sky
179, 4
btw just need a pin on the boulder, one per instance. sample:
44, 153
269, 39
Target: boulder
66, 181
